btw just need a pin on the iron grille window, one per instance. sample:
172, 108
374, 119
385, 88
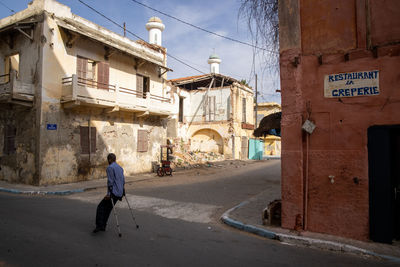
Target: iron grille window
88, 141
142, 144
10, 133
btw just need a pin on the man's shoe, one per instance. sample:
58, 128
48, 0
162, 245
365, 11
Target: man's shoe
98, 229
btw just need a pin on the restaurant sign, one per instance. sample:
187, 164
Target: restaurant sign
351, 84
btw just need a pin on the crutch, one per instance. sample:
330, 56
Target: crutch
129, 206
116, 217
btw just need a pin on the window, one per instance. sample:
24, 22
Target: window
88, 141
181, 109
243, 109
11, 63
9, 139
209, 108
142, 85
142, 141
86, 70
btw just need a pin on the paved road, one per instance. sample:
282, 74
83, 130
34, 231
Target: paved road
179, 226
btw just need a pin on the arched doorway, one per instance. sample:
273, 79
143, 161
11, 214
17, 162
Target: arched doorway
207, 140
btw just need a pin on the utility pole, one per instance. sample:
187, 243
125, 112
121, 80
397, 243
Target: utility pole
256, 102
124, 29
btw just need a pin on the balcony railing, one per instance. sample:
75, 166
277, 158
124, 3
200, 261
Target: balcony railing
83, 91
13, 90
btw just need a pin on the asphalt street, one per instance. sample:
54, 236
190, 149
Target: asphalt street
179, 226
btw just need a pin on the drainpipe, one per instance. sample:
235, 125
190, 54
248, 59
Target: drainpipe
306, 185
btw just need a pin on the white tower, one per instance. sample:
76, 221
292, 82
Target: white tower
214, 61
155, 27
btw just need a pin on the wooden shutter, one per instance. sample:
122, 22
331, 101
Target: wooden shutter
93, 136
84, 131
81, 67
139, 84
9, 139
103, 73
142, 141
146, 86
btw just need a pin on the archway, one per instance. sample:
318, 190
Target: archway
207, 140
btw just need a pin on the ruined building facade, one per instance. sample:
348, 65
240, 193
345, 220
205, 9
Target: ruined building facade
215, 113
71, 92
340, 62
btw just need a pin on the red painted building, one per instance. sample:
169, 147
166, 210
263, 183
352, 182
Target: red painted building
340, 70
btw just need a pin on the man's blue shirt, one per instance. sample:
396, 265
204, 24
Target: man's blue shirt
115, 179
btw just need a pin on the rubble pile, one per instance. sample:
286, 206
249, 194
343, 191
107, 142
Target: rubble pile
190, 158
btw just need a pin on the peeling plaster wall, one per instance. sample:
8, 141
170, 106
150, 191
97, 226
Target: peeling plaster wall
339, 144
228, 120
61, 158
20, 166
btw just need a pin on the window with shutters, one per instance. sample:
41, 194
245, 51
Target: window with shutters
88, 141
142, 144
103, 75
86, 69
142, 85
10, 133
243, 109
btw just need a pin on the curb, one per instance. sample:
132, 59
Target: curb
61, 192
33, 192
305, 241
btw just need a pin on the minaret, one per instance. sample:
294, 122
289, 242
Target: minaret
155, 28
214, 61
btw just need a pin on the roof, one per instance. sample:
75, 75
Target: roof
214, 56
155, 19
201, 81
137, 49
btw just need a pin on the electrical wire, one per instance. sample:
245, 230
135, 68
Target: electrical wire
7, 7
202, 29
137, 36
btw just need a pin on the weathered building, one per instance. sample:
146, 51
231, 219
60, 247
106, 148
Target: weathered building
272, 143
340, 64
215, 113
71, 92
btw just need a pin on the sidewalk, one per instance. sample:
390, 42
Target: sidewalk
247, 216
67, 189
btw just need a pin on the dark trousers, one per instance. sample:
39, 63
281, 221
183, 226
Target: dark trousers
103, 211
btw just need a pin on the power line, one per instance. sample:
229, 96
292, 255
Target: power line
7, 7
202, 29
137, 36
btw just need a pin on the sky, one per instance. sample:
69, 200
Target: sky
182, 41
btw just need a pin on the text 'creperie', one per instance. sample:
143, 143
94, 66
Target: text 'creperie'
352, 84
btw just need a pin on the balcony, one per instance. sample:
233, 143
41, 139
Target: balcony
14, 91
78, 91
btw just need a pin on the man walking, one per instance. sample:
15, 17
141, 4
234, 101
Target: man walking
115, 192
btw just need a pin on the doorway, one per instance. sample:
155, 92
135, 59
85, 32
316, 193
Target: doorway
384, 183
